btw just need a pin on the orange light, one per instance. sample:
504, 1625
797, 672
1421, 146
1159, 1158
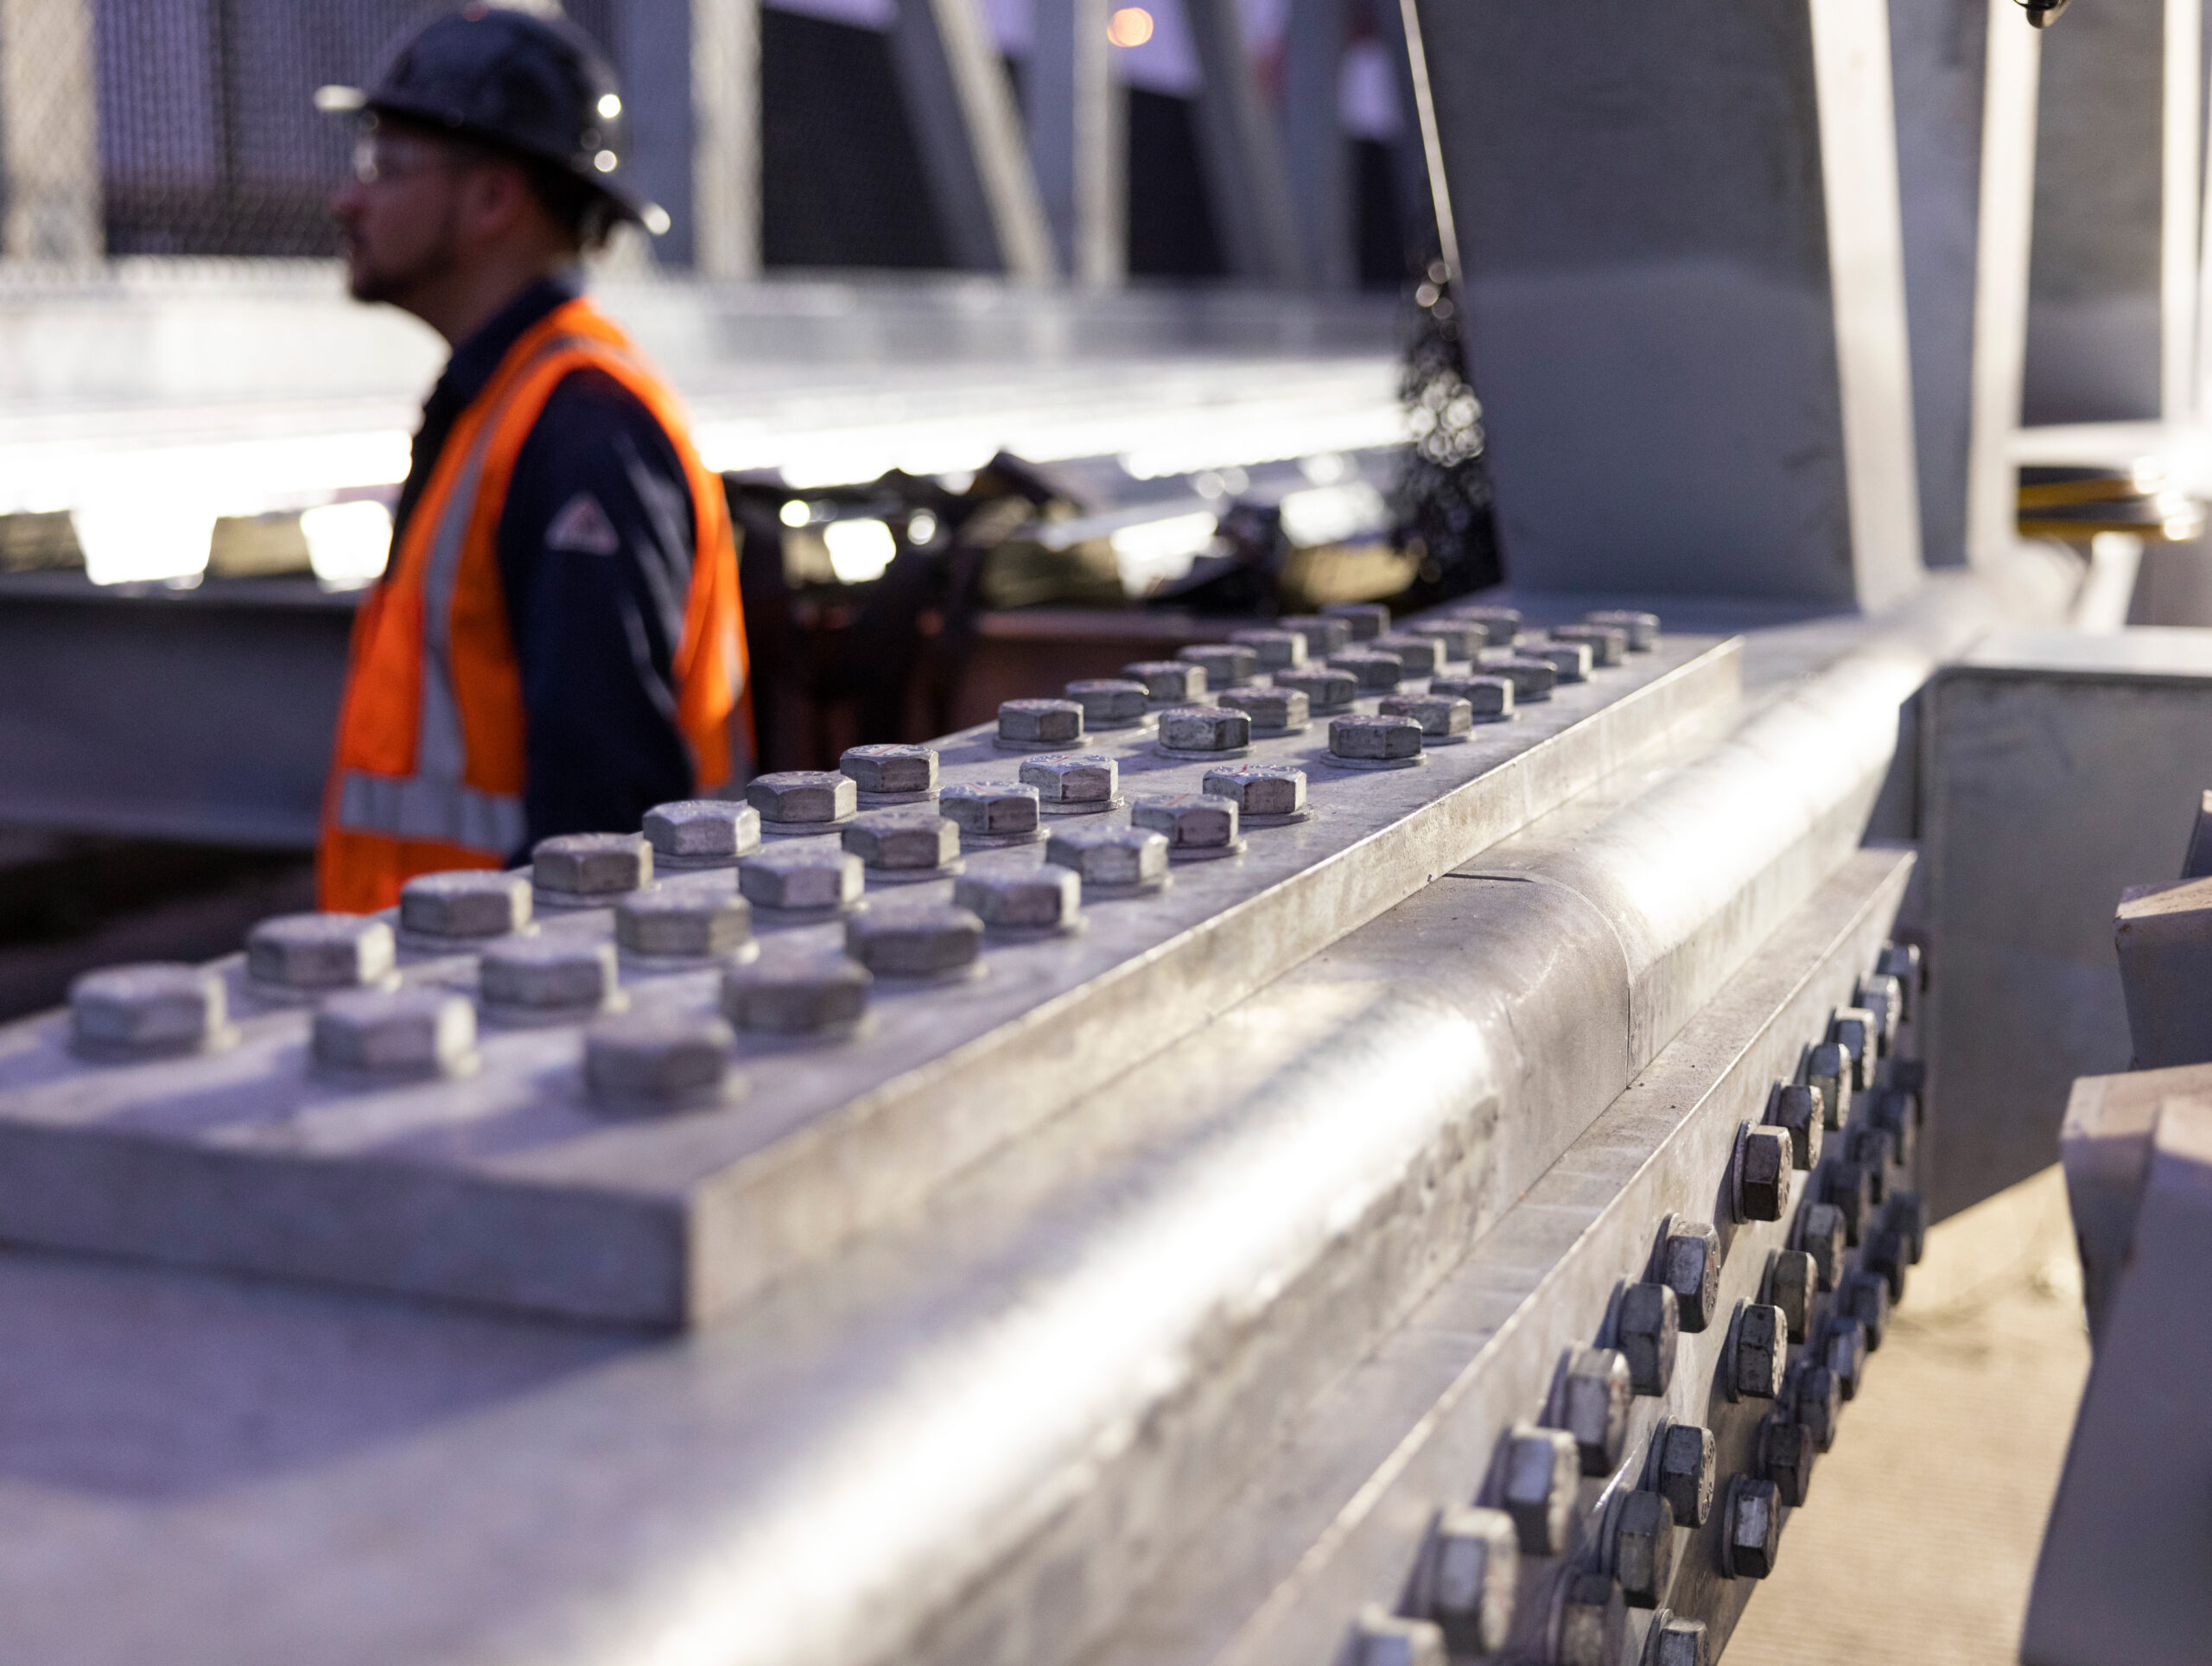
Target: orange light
1130, 27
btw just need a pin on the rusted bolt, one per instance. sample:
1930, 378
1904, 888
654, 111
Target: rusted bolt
1197, 826
993, 812
1642, 629
464, 906
803, 800
1786, 1451
1264, 794
1113, 861
1204, 730
552, 979
795, 993
692, 923
1467, 1578
1791, 1281
1645, 1329
1820, 1235
1074, 783
1798, 1108
1570, 660
1376, 673
1689, 1265
1458, 638
647, 1063
930, 940
800, 878
1272, 711
1541, 1471
1039, 900
1592, 1622
1359, 742
1326, 690
1758, 1352
1111, 703
590, 869
1847, 1186
1277, 650
1503, 625
1818, 1402
1843, 1349
311, 954
1380, 1638
1751, 1531
904, 844
1226, 665
1680, 1467
1490, 699
1167, 681
1443, 717
1641, 1554
1041, 725
699, 833
1590, 1401
1323, 636
1420, 655
147, 1011
892, 772
1608, 645
394, 1035
1762, 1174
1365, 619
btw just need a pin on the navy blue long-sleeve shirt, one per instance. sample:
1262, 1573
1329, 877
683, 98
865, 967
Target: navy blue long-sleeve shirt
595, 544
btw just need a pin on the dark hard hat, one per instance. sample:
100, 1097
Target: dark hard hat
534, 86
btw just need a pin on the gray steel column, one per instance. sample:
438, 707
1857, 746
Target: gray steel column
49, 132
2014, 66
1078, 139
1242, 156
691, 72
1684, 292
981, 183
1316, 157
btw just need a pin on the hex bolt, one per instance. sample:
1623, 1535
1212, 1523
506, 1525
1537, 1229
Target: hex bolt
1906, 1214
1226, 665
1533, 679
1421, 656
803, 800
1910, 1076
1897, 1114
1820, 1235
547, 979
1376, 673
1442, 717
1786, 1451
1760, 1353
802, 994
590, 869
1571, 660
1167, 681
1680, 1467
1203, 731
147, 1011
1591, 1403
1468, 1576
1641, 629
1458, 638
1041, 725
1365, 619
800, 878
1608, 645
1791, 1279
305, 954
1593, 1621
1379, 1638
1882, 995
1272, 711
645, 1063
1827, 1067
1277, 650
1490, 699
1502, 624
1865, 1297
1852, 1029
1902, 962
1641, 1554
919, 940
1675, 1641
1843, 1349
1689, 1265
1359, 742
891, 771
1111, 703
464, 906
393, 1034
1113, 861
1197, 826
1264, 794
1762, 1174
1798, 1108
993, 812
1874, 1150
1847, 1186
1039, 900
1541, 1476
1646, 1329
912, 842
1326, 690
1818, 1403
1323, 636
1751, 1531
686, 925
700, 833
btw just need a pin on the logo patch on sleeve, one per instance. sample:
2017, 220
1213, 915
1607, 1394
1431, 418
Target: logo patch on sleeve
581, 526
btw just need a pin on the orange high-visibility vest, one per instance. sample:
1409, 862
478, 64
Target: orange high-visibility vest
428, 771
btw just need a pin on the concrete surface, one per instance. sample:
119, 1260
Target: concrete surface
1921, 1537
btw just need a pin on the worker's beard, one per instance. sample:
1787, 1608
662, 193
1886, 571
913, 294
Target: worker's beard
396, 279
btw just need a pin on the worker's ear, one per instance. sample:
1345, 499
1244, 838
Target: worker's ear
495, 197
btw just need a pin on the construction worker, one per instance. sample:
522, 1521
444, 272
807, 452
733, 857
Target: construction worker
555, 647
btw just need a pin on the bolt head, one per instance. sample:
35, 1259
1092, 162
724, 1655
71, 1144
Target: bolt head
691, 922
1646, 1329
821, 796
1074, 777
1204, 728
1542, 1471
471, 904
1167, 681
1271, 708
1365, 619
1189, 821
890, 766
1323, 636
796, 993
1259, 789
1827, 1067
902, 839
1532, 679
1382, 1639
1641, 630
1569, 660
1038, 897
1844, 1350
1686, 1463
802, 875
1440, 716
1490, 699
1593, 1621
1420, 655
1325, 688
1277, 650
406, 1033
1820, 1235
1792, 1283
1689, 1265
1225, 664
1377, 738
1853, 1029
320, 951
1865, 1297
1608, 645
1041, 722
996, 810
1786, 1451
1761, 1352
1753, 1529
1818, 1403
1110, 703
923, 940
701, 832
1906, 1215
1109, 857
1591, 1403
148, 1010
1872, 1149
591, 865
1673, 1640
1882, 995
1763, 1160
1503, 625
1848, 1186
645, 1062
551, 974
1468, 1578
1798, 1108
1458, 638
1642, 1550
1374, 673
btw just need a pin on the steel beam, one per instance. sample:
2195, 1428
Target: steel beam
1316, 155
1241, 150
1078, 138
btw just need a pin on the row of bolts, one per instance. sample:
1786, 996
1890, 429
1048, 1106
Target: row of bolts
896, 825
1462, 1600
